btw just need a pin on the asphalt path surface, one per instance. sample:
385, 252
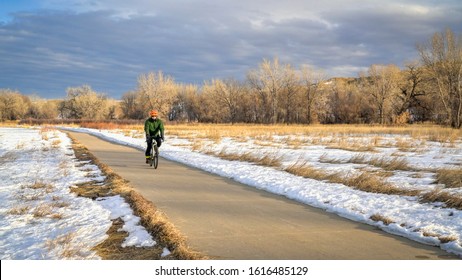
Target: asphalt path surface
227, 220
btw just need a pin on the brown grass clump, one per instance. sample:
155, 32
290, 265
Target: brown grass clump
65, 242
111, 248
269, 159
395, 163
19, 210
223, 154
450, 177
353, 147
304, 169
447, 239
40, 185
438, 195
391, 164
365, 181
43, 210
369, 182
325, 159
379, 218
155, 222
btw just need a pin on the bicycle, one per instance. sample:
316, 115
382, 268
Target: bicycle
154, 154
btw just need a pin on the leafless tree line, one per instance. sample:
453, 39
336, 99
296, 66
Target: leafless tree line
274, 92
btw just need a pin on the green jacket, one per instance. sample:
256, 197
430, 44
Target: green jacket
154, 127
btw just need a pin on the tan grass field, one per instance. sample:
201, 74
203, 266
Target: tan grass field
268, 147
362, 139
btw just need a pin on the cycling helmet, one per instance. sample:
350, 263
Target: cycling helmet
153, 113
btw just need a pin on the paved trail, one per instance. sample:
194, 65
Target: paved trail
228, 220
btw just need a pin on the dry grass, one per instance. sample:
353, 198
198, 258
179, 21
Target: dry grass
155, 222
365, 181
271, 160
56, 143
30, 197
450, 177
8, 157
111, 248
265, 132
369, 182
395, 163
304, 169
41, 185
43, 210
60, 204
410, 145
438, 195
447, 239
20, 146
348, 143
325, 159
442, 239
389, 164
379, 218
19, 210
268, 159
65, 244
197, 146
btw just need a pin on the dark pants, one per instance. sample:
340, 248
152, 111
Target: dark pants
148, 149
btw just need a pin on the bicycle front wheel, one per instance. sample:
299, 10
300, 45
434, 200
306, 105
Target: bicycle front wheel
155, 161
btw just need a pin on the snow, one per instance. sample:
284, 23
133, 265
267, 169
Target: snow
40, 217
422, 222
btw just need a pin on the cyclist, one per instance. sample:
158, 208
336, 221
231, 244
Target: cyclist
154, 129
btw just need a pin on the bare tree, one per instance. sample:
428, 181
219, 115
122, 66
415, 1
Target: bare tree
42, 109
288, 100
186, 105
131, 107
267, 81
412, 92
346, 103
311, 84
13, 105
157, 91
84, 103
228, 95
383, 85
442, 56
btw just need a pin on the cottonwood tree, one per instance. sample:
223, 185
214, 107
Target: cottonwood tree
289, 103
346, 103
267, 82
413, 92
42, 109
131, 107
227, 94
84, 103
186, 105
382, 85
442, 56
311, 85
157, 91
13, 105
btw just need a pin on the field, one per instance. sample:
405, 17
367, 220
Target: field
404, 180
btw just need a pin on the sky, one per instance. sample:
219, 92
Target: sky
47, 46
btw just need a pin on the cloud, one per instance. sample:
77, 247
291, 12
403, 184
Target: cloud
108, 44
